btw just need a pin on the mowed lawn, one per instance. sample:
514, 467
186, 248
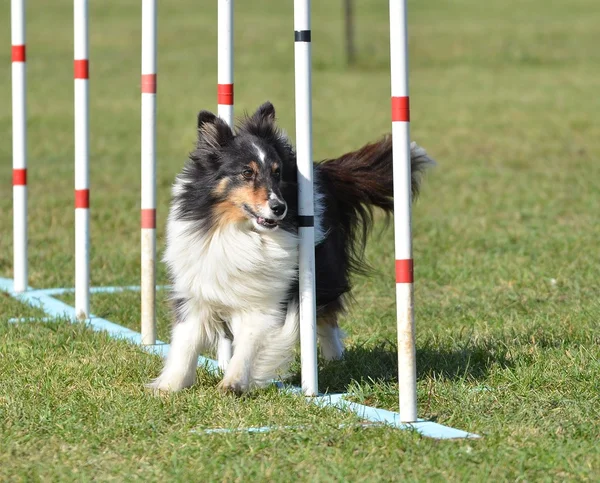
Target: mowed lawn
504, 94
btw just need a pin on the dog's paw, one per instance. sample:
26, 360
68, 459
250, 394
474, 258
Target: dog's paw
332, 345
237, 388
156, 388
166, 384
330, 354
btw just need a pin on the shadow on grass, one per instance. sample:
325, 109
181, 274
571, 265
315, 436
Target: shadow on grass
379, 363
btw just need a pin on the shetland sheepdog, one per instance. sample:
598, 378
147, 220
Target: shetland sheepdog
232, 246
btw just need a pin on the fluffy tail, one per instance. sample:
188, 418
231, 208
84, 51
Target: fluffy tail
363, 179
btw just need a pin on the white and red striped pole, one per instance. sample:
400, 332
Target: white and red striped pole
225, 109
407, 367
19, 136
308, 316
148, 149
225, 61
82, 187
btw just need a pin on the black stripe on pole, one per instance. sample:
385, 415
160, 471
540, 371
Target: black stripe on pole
302, 35
306, 221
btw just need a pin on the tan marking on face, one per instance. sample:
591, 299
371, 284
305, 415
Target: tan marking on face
274, 167
221, 187
253, 165
231, 210
249, 195
228, 213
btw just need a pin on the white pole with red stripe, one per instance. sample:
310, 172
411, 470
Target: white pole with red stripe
225, 109
306, 230
19, 136
225, 61
82, 205
148, 149
407, 367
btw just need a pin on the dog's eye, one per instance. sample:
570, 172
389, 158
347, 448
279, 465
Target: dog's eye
247, 172
277, 172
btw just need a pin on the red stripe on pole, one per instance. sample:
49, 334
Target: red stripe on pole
149, 83
404, 271
81, 68
19, 177
400, 109
82, 198
225, 94
149, 218
18, 53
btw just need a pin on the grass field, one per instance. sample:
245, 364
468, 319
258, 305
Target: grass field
506, 231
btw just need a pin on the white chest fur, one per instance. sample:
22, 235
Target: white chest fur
232, 268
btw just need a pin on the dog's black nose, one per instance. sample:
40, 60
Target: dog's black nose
277, 207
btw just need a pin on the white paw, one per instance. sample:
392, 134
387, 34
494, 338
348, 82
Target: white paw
171, 383
332, 347
235, 387
332, 353
235, 382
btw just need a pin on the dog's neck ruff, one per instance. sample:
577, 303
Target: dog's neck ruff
231, 267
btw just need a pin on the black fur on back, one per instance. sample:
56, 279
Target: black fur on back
359, 181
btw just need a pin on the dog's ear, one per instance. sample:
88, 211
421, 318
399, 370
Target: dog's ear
261, 123
213, 131
264, 114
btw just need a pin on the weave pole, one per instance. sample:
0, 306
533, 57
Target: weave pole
19, 135
82, 191
225, 110
308, 316
407, 367
148, 162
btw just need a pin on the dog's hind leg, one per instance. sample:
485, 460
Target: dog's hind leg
329, 333
189, 337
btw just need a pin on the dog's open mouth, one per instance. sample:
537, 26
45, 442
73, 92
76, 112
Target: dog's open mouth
267, 223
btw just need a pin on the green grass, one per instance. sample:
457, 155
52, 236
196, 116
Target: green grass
503, 95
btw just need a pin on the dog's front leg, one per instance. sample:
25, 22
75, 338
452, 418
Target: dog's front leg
248, 329
189, 337
263, 345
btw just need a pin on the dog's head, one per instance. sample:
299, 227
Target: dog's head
244, 174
